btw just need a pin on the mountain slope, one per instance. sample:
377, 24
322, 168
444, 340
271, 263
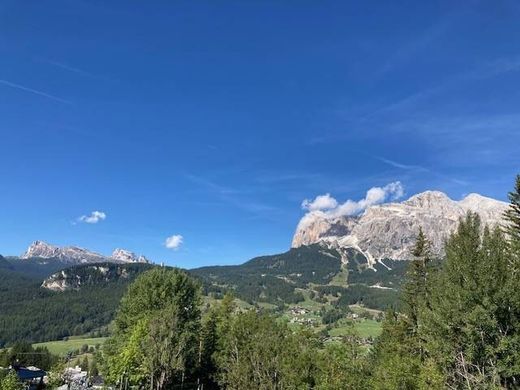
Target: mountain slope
388, 231
77, 277
282, 278
274, 278
35, 266
4, 263
89, 301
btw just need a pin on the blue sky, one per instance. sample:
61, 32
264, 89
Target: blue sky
215, 120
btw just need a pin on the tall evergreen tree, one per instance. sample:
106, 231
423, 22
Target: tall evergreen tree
512, 216
415, 289
399, 352
472, 325
94, 370
395, 363
84, 364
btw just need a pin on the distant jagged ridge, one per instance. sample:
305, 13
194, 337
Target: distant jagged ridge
388, 231
77, 255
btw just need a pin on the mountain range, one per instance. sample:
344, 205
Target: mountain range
388, 231
348, 259
385, 231
76, 255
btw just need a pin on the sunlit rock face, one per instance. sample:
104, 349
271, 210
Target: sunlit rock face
128, 257
388, 231
76, 255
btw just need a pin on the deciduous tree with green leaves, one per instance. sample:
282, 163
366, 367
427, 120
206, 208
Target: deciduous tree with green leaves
155, 338
342, 366
11, 382
258, 352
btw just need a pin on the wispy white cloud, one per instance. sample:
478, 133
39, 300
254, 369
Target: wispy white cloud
174, 242
94, 217
65, 66
457, 135
466, 139
278, 177
495, 68
240, 198
416, 44
419, 168
325, 206
211, 185
410, 102
34, 91
399, 165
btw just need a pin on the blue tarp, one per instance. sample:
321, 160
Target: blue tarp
26, 374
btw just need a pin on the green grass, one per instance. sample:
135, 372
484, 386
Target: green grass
242, 305
368, 328
363, 328
340, 279
62, 347
361, 309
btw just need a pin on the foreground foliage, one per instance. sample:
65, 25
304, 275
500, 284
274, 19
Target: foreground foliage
461, 324
10, 382
169, 344
458, 328
24, 354
155, 340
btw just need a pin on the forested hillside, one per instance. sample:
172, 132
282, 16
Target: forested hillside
31, 313
40, 304
280, 279
34, 266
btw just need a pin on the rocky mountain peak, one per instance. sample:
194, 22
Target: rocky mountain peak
40, 249
477, 200
388, 231
126, 256
428, 199
77, 255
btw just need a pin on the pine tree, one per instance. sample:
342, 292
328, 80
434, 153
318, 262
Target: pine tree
84, 365
394, 360
472, 326
94, 370
399, 351
512, 216
415, 289
207, 347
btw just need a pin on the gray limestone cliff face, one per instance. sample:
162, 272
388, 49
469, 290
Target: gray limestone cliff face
389, 230
76, 255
